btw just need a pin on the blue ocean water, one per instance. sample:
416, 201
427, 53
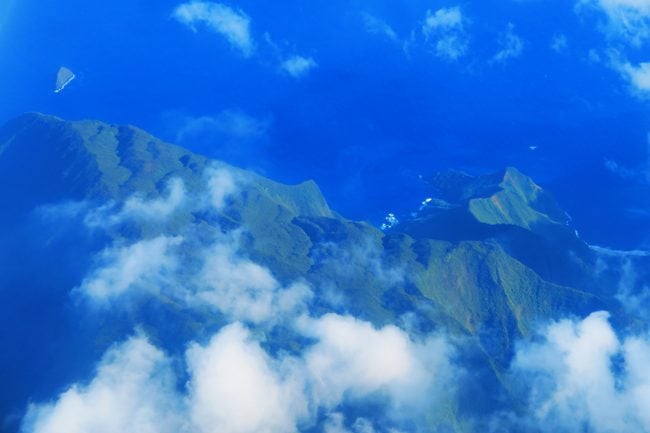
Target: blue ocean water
376, 111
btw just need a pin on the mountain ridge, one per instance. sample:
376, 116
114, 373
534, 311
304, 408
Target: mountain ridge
285, 223
483, 269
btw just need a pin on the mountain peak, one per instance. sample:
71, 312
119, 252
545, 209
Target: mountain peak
518, 201
507, 197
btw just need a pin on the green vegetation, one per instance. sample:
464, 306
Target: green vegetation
486, 261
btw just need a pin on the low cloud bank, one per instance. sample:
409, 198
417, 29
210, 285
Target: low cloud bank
236, 381
581, 376
185, 267
576, 375
133, 391
235, 386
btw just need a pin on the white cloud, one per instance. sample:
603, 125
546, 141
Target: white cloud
451, 47
621, 171
619, 253
227, 282
352, 355
627, 28
160, 208
235, 384
376, 26
62, 211
636, 352
559, 43
582, 377
443, 19
354, 359
512, 46
138, 208
235, 387
220, 277
298, 66
222, 184
627, 20
363, 425
345, 261
132, 392
232, 24
144, 265
637, 75
231, 135
229, 124
244, 290
632, 292
639, 173
335, 423
594, 56
445, 29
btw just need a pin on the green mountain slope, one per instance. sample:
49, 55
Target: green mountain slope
485, 260
475, 280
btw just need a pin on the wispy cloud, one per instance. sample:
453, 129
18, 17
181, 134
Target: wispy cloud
235, 26
378, 26
140, 208
146, 264
640, 173
512, 46
229, 124
225, 281
637, 75
445, 29
559, 43
627, 28
232, 24
233, 135
244, 290
627, 20
628, 266
137, 207
298, 66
